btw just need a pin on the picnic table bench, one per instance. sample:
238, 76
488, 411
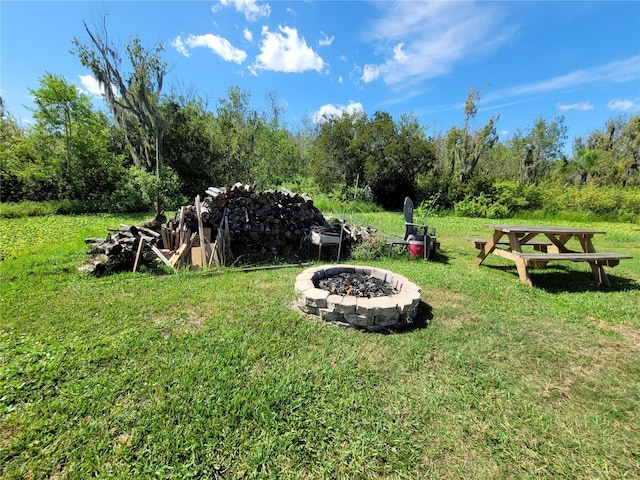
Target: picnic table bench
553, 247
540, 245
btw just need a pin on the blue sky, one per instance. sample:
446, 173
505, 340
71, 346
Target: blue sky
529, 59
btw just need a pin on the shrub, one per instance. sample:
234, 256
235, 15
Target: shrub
481, 206
139, 191
604, 202
500, 201
372, 248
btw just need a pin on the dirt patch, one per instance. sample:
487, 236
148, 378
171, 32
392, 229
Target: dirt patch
189, 322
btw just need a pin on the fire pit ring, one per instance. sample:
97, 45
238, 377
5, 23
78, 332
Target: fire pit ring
384, 311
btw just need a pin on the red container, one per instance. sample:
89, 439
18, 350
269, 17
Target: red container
416, 249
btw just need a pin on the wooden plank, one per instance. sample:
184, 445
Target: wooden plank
597, 261
481, 242
161, 256
137, 260
165, 238
176, 256
501, 252
573, 257
203, 251
196, 257
489, 247
525, 229
182, 253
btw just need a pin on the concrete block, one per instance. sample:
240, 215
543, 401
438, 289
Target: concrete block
342, 304
359, 320
316, 297
302, 285
329, 315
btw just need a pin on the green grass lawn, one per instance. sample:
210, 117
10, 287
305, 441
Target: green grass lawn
216, 374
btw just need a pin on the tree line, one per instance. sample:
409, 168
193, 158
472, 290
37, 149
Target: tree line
154, 148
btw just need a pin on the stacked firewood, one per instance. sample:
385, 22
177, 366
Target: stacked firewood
265, 221
125, 247
226, 223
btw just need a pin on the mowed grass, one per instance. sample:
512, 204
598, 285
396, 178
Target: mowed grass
217, 374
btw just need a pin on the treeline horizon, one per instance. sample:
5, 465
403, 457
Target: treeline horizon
151, 149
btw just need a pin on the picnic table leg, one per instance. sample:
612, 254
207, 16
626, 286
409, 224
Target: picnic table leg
521, 265
596, 270
488, 247
599, 274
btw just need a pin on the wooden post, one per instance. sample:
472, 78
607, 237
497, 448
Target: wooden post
203, 248
340, 241
140, 247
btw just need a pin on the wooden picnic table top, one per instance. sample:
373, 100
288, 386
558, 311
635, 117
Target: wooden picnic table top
544, 229
522, 235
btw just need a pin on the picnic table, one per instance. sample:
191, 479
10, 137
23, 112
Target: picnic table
548, 243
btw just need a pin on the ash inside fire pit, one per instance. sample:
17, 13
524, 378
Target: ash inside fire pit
356, 284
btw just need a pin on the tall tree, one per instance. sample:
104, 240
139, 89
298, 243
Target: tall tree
539, 148
190, 145
465, 145
58, 107
237, 126
15, 153
335, 156
73, 140
609, 155
133, 96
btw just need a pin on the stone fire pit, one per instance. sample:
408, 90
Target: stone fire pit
393, 308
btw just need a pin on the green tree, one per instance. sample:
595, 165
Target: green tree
459, 155
539, 149
396, 153
190, 147
278, 157
237, 126
16, 153
335, 156
616, 152
73, 141
465, 146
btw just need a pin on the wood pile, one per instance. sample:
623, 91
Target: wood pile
226, 223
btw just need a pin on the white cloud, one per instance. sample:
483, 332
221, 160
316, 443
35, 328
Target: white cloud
624, 105
372, 72
285, 52
331, 110
398, 55
325, 41
423, 40
91, 85
249, 8
218, 45
340, 80
248, 36
179, 45
611, 73
582, 106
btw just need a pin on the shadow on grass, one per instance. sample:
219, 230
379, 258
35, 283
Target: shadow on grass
424, 315
560, 278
